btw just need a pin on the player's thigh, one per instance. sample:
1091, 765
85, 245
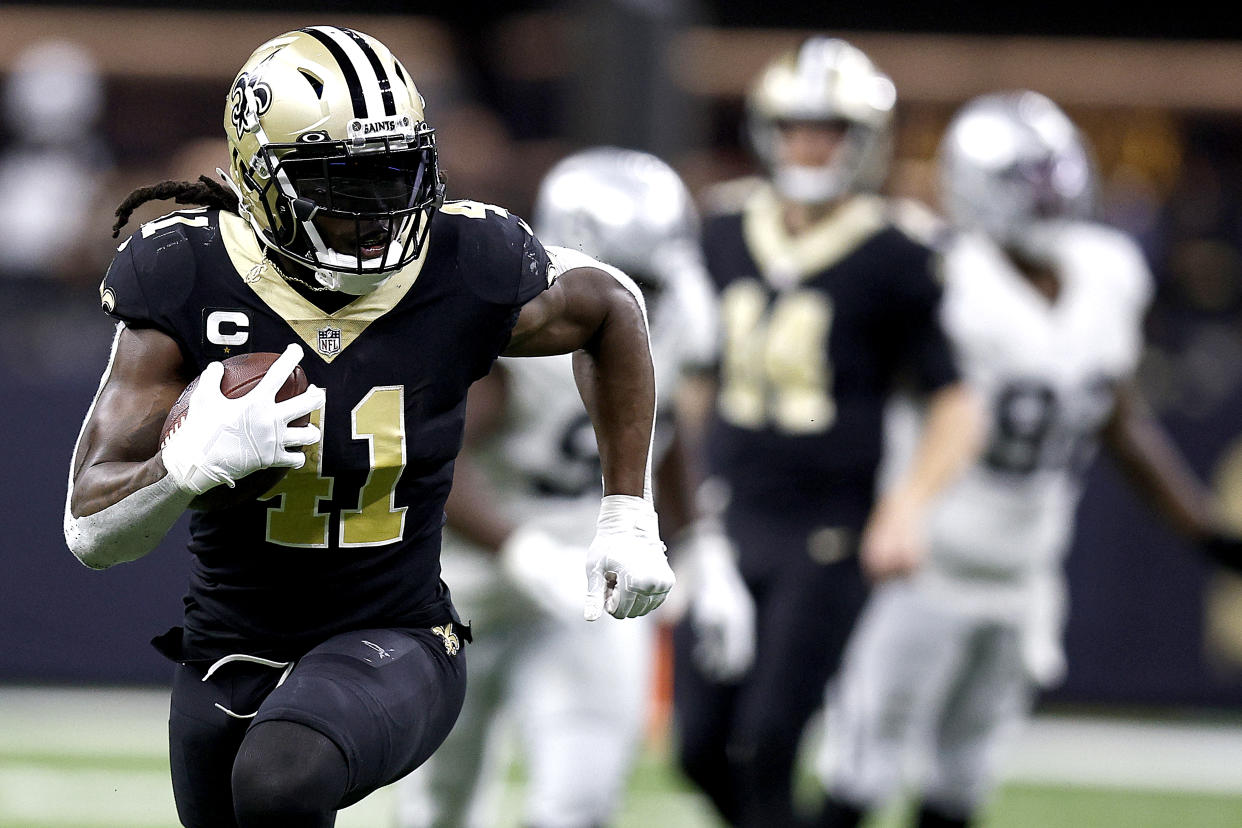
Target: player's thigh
802, 624
585, 677
900, 664
899, 669
583, 696
387, 698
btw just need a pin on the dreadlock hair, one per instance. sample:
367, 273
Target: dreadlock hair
206, 192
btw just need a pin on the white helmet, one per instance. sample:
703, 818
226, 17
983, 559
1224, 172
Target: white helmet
1009, 161
325, 121
626, 208
824, 80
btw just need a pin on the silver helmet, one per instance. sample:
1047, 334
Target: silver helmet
626, 208
825, 80
1009, 161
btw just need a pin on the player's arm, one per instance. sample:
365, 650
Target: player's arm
600, 318
1157, 469
894, 540
125, 492
120, 501
951, 438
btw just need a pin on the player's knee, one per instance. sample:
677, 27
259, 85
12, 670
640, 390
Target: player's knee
287, 775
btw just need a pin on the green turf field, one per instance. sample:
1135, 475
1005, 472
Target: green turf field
96, 759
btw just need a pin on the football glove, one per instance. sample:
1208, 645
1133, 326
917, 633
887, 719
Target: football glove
544, 570
222, 440
627, 572
722, 611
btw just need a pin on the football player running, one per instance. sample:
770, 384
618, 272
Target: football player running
576, 695
320, 656
1045, 308
826, 302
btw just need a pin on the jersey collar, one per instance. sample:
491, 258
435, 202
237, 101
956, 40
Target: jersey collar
784, 259
326, 334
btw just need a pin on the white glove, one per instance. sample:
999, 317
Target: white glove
722, 611
545, 570
626, 570
222, 440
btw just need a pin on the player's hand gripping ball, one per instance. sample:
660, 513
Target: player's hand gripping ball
241, 374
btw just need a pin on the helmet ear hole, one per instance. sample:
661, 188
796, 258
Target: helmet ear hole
316, 83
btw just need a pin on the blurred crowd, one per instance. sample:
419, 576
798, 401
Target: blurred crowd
67, 158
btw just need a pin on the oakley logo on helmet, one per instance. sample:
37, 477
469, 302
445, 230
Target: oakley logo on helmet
251, 98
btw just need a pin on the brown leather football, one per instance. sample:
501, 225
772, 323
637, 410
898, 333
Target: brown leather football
241, 374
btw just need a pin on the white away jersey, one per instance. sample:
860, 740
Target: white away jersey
546, 457
1047, 371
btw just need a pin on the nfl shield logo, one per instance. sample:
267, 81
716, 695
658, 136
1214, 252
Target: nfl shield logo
329, 341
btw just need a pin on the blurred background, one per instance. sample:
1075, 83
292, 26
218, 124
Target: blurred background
96, 99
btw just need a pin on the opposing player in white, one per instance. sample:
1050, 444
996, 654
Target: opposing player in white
1045, 309
525, 493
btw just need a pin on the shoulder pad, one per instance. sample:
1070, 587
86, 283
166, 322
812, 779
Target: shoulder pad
918, 221
497, 254
154, 268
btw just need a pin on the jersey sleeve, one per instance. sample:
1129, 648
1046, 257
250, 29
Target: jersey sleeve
498, 254
926, 349
121, 292
538, 272
151, 279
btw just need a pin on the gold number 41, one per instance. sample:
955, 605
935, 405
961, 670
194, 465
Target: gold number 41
297, 520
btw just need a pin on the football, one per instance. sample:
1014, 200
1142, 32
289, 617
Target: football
241, 374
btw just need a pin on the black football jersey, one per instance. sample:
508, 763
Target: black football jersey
352, 539
817, 330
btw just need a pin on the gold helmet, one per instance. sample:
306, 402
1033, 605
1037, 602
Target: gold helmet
325, 122
825, 80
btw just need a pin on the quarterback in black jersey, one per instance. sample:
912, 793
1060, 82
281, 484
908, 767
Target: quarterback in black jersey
827, 305
320, 656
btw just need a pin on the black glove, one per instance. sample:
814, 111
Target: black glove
1225, 550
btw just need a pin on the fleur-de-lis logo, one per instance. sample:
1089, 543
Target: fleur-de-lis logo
451, 643
250, 98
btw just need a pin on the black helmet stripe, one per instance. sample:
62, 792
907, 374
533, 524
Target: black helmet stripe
348, 70
381, 74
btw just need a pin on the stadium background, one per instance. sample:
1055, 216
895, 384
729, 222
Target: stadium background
513, 86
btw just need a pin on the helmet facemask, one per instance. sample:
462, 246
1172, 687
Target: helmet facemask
353, 215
